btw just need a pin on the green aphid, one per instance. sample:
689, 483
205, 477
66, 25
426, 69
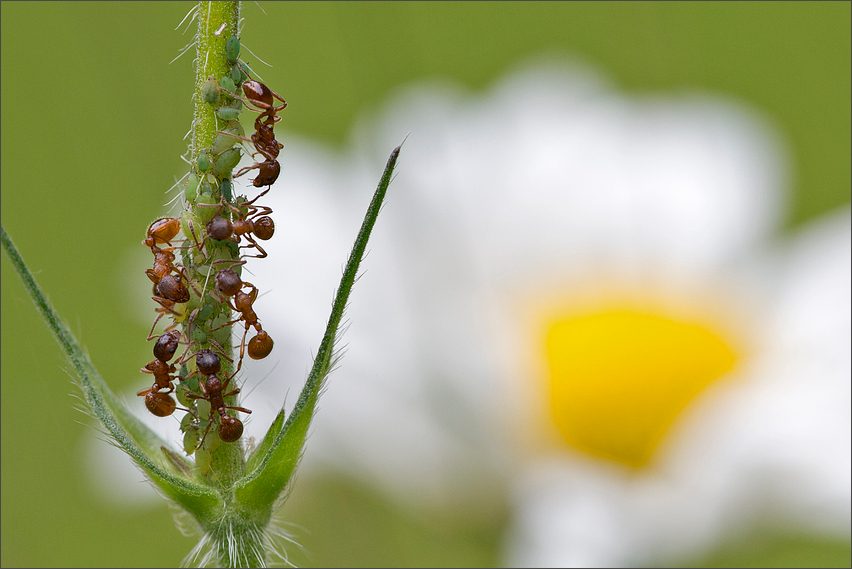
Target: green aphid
223, 334
232, 49
222, 142
181, 392
202, 269
235, 127
202, 461
210, 92
190, 191
186, 422
191, 383
193, 303
205, 313
234, 247
191, 438
204, 162
212, 441
226, 189
228, 85
227, 114
226, 162
203, 407
199, 336
190, 225
205, 214
236, 74
221, 252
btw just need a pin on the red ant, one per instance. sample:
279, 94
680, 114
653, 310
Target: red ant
230, 284
168, 287
159, 403
254, 220
264, 141
266, 145
230, 428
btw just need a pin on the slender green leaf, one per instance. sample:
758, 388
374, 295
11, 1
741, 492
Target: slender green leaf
140, 442
275, 469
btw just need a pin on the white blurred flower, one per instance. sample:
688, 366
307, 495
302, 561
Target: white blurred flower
574, 300
574, 295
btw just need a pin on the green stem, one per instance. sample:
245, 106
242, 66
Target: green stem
210, 62
233, 543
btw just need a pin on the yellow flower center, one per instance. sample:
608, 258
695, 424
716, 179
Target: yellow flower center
618, 378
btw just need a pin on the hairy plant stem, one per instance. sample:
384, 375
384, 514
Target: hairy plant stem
233, 542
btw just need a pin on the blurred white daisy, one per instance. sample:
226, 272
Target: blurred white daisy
576, 301
573, 295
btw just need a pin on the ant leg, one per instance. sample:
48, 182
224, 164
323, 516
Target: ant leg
162, 312
227, 323
254, 291
254, 244
241, 409
187, 410
246, 169
180, 360
280, 98
221, 349
154, 325
242, 354
258, 207
243, 138
236, 262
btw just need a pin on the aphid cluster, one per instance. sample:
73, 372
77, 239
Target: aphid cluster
201, 291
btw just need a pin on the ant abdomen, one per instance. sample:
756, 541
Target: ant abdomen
162, 230
230, 428
160, 404
260, 346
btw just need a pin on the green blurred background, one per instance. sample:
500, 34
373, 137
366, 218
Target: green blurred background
93, 118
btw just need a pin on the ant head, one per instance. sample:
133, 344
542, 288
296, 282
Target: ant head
167, 345
219, 228
228, 282
208, 362
269, 171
